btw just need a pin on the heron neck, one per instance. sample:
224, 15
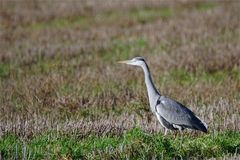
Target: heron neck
151, 89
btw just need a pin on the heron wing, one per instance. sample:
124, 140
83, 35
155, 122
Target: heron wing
176, 113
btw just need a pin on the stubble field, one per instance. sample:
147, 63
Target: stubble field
63, 96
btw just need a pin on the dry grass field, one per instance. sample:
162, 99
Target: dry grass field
63, 96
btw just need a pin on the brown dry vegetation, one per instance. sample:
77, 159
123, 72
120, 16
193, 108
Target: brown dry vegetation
58, 63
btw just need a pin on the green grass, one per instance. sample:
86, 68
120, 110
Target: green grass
134, 15
134, 144
78, 21
150, 15
184, 77
4, 70
143, 15
205, 6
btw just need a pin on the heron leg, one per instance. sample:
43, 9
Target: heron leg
165, 133
181, 132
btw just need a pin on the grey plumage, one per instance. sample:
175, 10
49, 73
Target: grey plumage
170, 113
177, 114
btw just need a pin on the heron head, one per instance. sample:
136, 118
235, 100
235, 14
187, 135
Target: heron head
137, 61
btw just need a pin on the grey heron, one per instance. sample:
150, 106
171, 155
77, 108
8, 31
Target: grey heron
170, 113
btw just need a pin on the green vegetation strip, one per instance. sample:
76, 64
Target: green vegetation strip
135, 15
4, 70
142, 15
132, 144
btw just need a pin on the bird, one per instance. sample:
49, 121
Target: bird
171, 114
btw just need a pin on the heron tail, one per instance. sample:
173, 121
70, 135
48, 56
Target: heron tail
201, 126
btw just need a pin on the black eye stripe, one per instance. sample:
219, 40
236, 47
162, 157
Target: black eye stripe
140, 59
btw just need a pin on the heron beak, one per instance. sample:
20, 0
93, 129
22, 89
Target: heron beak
126, 62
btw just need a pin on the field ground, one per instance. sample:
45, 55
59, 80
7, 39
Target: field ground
63, 96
